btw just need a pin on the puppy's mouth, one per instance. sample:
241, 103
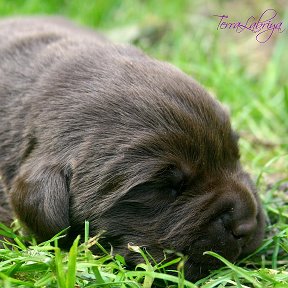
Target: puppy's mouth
195, 270
222, 239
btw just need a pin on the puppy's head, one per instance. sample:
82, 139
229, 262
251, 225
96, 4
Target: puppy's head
157, 165
169, 177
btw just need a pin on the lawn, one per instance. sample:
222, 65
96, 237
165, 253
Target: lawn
248, 77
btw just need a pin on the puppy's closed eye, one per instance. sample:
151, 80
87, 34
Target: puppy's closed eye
166, 186
177, 181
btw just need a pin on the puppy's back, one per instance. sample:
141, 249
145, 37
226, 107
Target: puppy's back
24, 48
40, 54
12, 29
29, 47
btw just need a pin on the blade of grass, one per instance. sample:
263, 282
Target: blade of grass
60, 273
238, 270
72, 262
156, 275
15, 281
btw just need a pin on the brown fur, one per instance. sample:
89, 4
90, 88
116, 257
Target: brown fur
101, 132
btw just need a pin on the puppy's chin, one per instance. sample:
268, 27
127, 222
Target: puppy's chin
224, 243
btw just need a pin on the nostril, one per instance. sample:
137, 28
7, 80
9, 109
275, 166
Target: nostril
240, 229
244, 229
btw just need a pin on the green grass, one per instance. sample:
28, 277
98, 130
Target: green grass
248, 77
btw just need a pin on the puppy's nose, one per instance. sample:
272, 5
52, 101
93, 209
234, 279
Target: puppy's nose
244, 229
239, 228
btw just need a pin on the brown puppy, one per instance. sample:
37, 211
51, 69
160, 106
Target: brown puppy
101, 132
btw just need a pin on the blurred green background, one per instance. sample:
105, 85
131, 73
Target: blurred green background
250, 78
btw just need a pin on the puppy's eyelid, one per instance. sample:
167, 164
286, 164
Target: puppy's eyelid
174, 193
177, 191
176, 176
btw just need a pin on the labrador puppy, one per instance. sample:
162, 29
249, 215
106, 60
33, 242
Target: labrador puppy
101, 132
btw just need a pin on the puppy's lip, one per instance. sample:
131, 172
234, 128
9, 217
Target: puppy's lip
196, 269
203, 259
250, 246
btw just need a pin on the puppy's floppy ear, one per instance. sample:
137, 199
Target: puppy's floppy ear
40, 198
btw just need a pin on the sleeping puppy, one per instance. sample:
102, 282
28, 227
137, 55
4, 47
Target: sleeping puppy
101, 132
